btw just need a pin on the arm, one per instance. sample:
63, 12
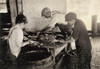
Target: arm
25, 43
45, 29
50, 25
75, 34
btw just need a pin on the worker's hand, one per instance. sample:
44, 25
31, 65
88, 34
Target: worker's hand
72, 52
61, 41
35, 43
38, 33
31, 42
55, 41
25, 38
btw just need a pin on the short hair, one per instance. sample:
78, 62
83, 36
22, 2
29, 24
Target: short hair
43, 11
21, 18
70, 16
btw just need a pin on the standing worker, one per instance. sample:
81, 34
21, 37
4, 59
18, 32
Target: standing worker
82, 41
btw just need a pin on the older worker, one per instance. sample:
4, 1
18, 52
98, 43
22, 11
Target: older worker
15, 37
54, 17
46, 14
81, 38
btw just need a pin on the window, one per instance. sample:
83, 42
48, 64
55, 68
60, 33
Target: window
3, 6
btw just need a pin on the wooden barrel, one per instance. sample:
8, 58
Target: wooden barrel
36, 56
72, 60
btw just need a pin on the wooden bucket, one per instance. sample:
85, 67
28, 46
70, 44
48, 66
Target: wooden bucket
37, 56
72, 60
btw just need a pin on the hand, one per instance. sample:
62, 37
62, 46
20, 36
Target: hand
61, 41
25, 38
31, 42
35, 43
55, 40
38, 33
72, 52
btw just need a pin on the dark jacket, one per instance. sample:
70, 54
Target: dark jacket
80, 34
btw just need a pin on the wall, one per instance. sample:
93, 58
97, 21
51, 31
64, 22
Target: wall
32, 9
84, 9
81, 8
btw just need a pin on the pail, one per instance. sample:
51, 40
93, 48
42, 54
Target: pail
72, 60
36, 56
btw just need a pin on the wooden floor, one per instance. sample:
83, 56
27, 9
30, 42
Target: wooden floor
95, 63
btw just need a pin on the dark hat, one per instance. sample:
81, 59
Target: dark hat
21, 18
70, 16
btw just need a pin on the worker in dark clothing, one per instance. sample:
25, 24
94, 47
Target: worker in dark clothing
82, 41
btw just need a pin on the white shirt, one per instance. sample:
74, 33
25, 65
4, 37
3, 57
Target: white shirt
57, 18
73, 45
15, 38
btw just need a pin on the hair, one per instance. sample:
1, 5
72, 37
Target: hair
70, 16
21, 19
43, 11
